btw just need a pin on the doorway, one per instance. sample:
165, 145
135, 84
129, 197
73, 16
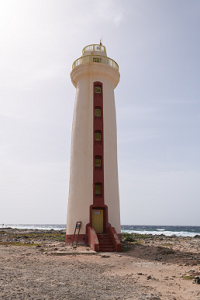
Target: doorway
97, 219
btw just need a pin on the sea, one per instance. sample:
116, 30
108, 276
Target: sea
190, 231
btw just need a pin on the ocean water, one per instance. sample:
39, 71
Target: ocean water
37, 226
166, 230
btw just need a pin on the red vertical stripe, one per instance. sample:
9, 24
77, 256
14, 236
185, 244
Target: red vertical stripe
98, 172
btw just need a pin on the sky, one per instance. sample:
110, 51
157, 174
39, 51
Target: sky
156, 44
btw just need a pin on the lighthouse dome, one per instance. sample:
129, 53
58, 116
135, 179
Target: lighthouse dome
94, 49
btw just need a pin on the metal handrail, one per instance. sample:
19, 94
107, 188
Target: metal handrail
95, 59
94, 47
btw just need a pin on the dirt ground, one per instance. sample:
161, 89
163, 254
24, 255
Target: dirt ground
35, 265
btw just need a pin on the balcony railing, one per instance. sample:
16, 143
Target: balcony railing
94, 47
95, 59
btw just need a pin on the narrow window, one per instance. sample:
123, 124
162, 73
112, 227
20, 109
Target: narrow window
98, 188
97, 136
97, 162
97, 89
97, 112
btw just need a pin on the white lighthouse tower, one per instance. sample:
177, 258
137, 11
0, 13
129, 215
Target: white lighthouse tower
93, 189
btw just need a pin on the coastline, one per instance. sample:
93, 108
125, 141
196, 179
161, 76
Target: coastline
141, 229
36, 264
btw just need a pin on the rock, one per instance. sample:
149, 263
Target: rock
105, 256
129, 239
119, 255
148, 277
197, 279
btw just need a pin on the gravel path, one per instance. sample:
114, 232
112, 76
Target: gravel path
38, 265
28, 275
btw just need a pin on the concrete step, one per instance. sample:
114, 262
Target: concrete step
107, 249
105, 243
106, 246
105, 240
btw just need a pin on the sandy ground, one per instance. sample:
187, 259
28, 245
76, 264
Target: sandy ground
153, 268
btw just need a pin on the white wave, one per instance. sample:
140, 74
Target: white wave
167, 233
37, 226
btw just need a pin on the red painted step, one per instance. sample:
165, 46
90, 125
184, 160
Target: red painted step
105, 243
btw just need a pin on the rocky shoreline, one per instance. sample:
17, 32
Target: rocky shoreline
36, 264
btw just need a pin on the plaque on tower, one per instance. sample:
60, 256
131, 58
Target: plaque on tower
77, 227
97, 59
78, 224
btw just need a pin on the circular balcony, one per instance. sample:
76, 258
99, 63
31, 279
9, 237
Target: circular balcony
95, 59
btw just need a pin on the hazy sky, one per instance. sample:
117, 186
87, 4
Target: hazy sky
157, 46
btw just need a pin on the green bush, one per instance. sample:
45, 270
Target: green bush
128, 237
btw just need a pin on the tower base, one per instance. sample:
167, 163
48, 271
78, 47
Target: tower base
82, 239
98, 242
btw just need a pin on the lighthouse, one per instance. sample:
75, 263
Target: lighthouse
93, 204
